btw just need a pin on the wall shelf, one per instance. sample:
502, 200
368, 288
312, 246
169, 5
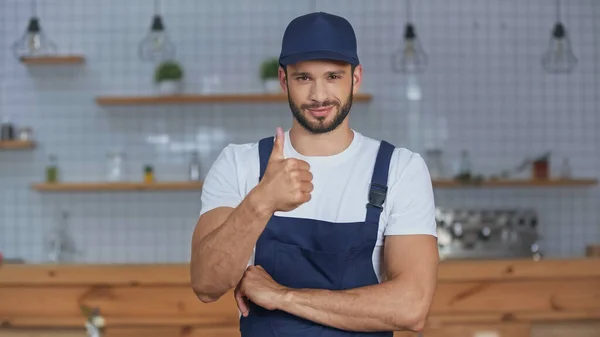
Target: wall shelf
516, 183
52, 59
118, 186
193, 99
197, 185
16, 144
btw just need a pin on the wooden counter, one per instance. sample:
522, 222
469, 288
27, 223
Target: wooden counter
505, 298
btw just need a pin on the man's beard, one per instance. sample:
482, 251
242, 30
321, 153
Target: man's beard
321, 126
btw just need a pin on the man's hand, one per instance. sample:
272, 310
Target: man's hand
258, 287
216, 265
287, 183
401, 302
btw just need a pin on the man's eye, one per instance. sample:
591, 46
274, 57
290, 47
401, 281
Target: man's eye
302, 78
333, 77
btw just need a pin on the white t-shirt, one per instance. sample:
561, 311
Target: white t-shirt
341, 187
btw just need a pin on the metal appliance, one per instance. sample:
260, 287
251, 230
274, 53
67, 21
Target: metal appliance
487, 233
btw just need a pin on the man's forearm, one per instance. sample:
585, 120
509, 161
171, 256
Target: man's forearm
221, 257
389, 306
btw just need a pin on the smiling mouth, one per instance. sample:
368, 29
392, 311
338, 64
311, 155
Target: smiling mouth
321, 112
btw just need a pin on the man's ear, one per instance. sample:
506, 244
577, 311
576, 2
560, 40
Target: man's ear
357, 77
283, 79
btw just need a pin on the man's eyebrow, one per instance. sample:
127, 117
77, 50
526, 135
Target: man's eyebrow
332, 72
300, 73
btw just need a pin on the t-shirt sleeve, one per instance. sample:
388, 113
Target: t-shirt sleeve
221, 186
412, 200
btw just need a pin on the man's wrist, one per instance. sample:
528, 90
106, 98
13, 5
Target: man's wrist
286, 299
259, 204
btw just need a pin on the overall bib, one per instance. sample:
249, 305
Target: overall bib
308, 253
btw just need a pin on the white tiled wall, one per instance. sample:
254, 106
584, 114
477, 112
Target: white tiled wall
484, 91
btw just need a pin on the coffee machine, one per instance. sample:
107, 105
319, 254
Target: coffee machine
487, 233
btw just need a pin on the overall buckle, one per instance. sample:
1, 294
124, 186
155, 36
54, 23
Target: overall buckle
377, 195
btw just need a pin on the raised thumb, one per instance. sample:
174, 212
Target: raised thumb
278, 145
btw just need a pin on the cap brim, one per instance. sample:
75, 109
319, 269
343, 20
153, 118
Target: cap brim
316, 55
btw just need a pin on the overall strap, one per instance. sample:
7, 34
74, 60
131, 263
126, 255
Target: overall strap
265, 147
378, 189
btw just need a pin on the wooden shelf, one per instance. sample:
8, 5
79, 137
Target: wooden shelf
517, 183
192, 99
52, 59
118, 186
16, 144
196, 185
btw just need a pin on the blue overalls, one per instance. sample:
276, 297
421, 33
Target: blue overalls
308, 253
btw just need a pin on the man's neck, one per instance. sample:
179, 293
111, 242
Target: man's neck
326, 144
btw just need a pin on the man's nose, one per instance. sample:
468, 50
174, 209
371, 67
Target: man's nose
318, 92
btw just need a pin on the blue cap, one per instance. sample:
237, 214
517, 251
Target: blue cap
318, 36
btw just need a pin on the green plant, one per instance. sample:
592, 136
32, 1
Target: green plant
269, 69
94, 320
168, 71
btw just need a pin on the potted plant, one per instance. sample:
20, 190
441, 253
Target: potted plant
269, 73
168, 76
94, 323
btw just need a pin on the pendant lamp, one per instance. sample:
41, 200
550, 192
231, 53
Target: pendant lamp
33, 42
410, 58
559, 57
156, 46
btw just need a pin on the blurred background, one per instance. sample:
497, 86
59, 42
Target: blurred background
113, 111
476, 97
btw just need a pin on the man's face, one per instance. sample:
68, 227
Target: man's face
320, 93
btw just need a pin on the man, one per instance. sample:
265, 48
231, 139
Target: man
321, 230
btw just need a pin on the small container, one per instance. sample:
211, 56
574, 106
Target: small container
26, 133
194, 169
115, 166
541, 169
435, 163
52, 170
464, 163
7, 129
148, 174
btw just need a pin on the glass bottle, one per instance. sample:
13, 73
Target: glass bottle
7, 129
462, 166
115, 166
465, 163
52, 170
194, 169
435, 163
60, 244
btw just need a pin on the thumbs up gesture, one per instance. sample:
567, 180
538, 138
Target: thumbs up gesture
287, 183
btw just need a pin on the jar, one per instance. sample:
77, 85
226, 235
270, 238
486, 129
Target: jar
148, 174
114, 167
541, 169
435, 163
52, 170
26, 134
